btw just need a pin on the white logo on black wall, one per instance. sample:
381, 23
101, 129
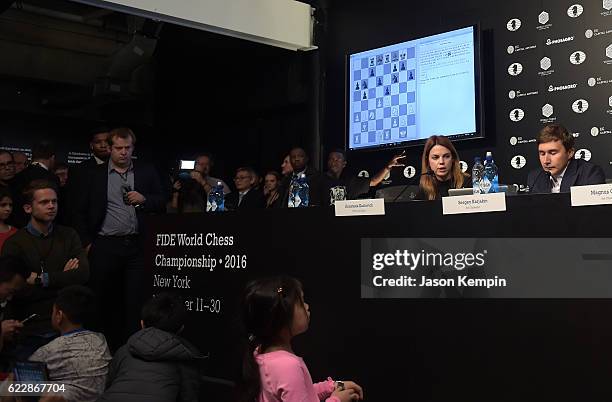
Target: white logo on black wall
583, 154
363, 173
515, 69
595, 131
513, 25
513, 141
512, 94
518, 162
547, 110
550, 42
607, 5
578, 57
409, 172
464, 166
580, 106
545, 65
517, 114
556, 88
608, 54
575, 10
543, 18
510, 49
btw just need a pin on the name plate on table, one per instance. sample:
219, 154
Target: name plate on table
598, 194
360, 207
470, 204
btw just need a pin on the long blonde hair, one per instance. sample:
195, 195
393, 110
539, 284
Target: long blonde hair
429, 183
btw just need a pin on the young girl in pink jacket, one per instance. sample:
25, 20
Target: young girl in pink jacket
274, 312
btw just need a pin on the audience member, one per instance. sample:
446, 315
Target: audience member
299, 163
61, 171
109, 222
6, 207
43, 161
156, 364
7, 168
79, 358
286, 168
441, 170
271, 186
12, 278
80, 174
201, 174
274, 312
560, 170
337, 179
21, 161
55, 258
247, 195
187, 197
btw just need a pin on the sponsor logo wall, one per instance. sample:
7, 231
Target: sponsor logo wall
556, 59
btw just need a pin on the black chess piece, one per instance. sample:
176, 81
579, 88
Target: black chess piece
517, 162
410, 77
582, 155
575, 10
394, 68
515, 68
580, 106
513, 24
387, 91
379, 82
365, 96
516, 115
402, 66
371, 72
365, 84
394, 79
357, 87
577, 57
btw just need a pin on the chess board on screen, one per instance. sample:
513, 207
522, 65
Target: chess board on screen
401, 94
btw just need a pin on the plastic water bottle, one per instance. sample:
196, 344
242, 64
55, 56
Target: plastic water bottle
477, 174
216, 199
304, 191
299, 196
490, 175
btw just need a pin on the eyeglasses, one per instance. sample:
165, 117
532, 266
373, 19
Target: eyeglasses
7, 165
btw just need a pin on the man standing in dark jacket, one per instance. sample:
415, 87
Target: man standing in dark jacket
109, 220
156, 365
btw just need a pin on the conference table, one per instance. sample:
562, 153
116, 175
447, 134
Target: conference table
431, 347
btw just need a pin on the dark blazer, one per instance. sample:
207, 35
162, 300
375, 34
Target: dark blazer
578, 173
315, 184
91, 209
78, 178
251, 200
19, 183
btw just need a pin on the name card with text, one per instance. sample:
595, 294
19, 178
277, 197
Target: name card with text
469, 204
598, 194
360, 207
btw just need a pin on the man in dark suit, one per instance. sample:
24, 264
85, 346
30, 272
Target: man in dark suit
41, 168
560, 170
79, 174
299, 161
247, 195
109, 222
